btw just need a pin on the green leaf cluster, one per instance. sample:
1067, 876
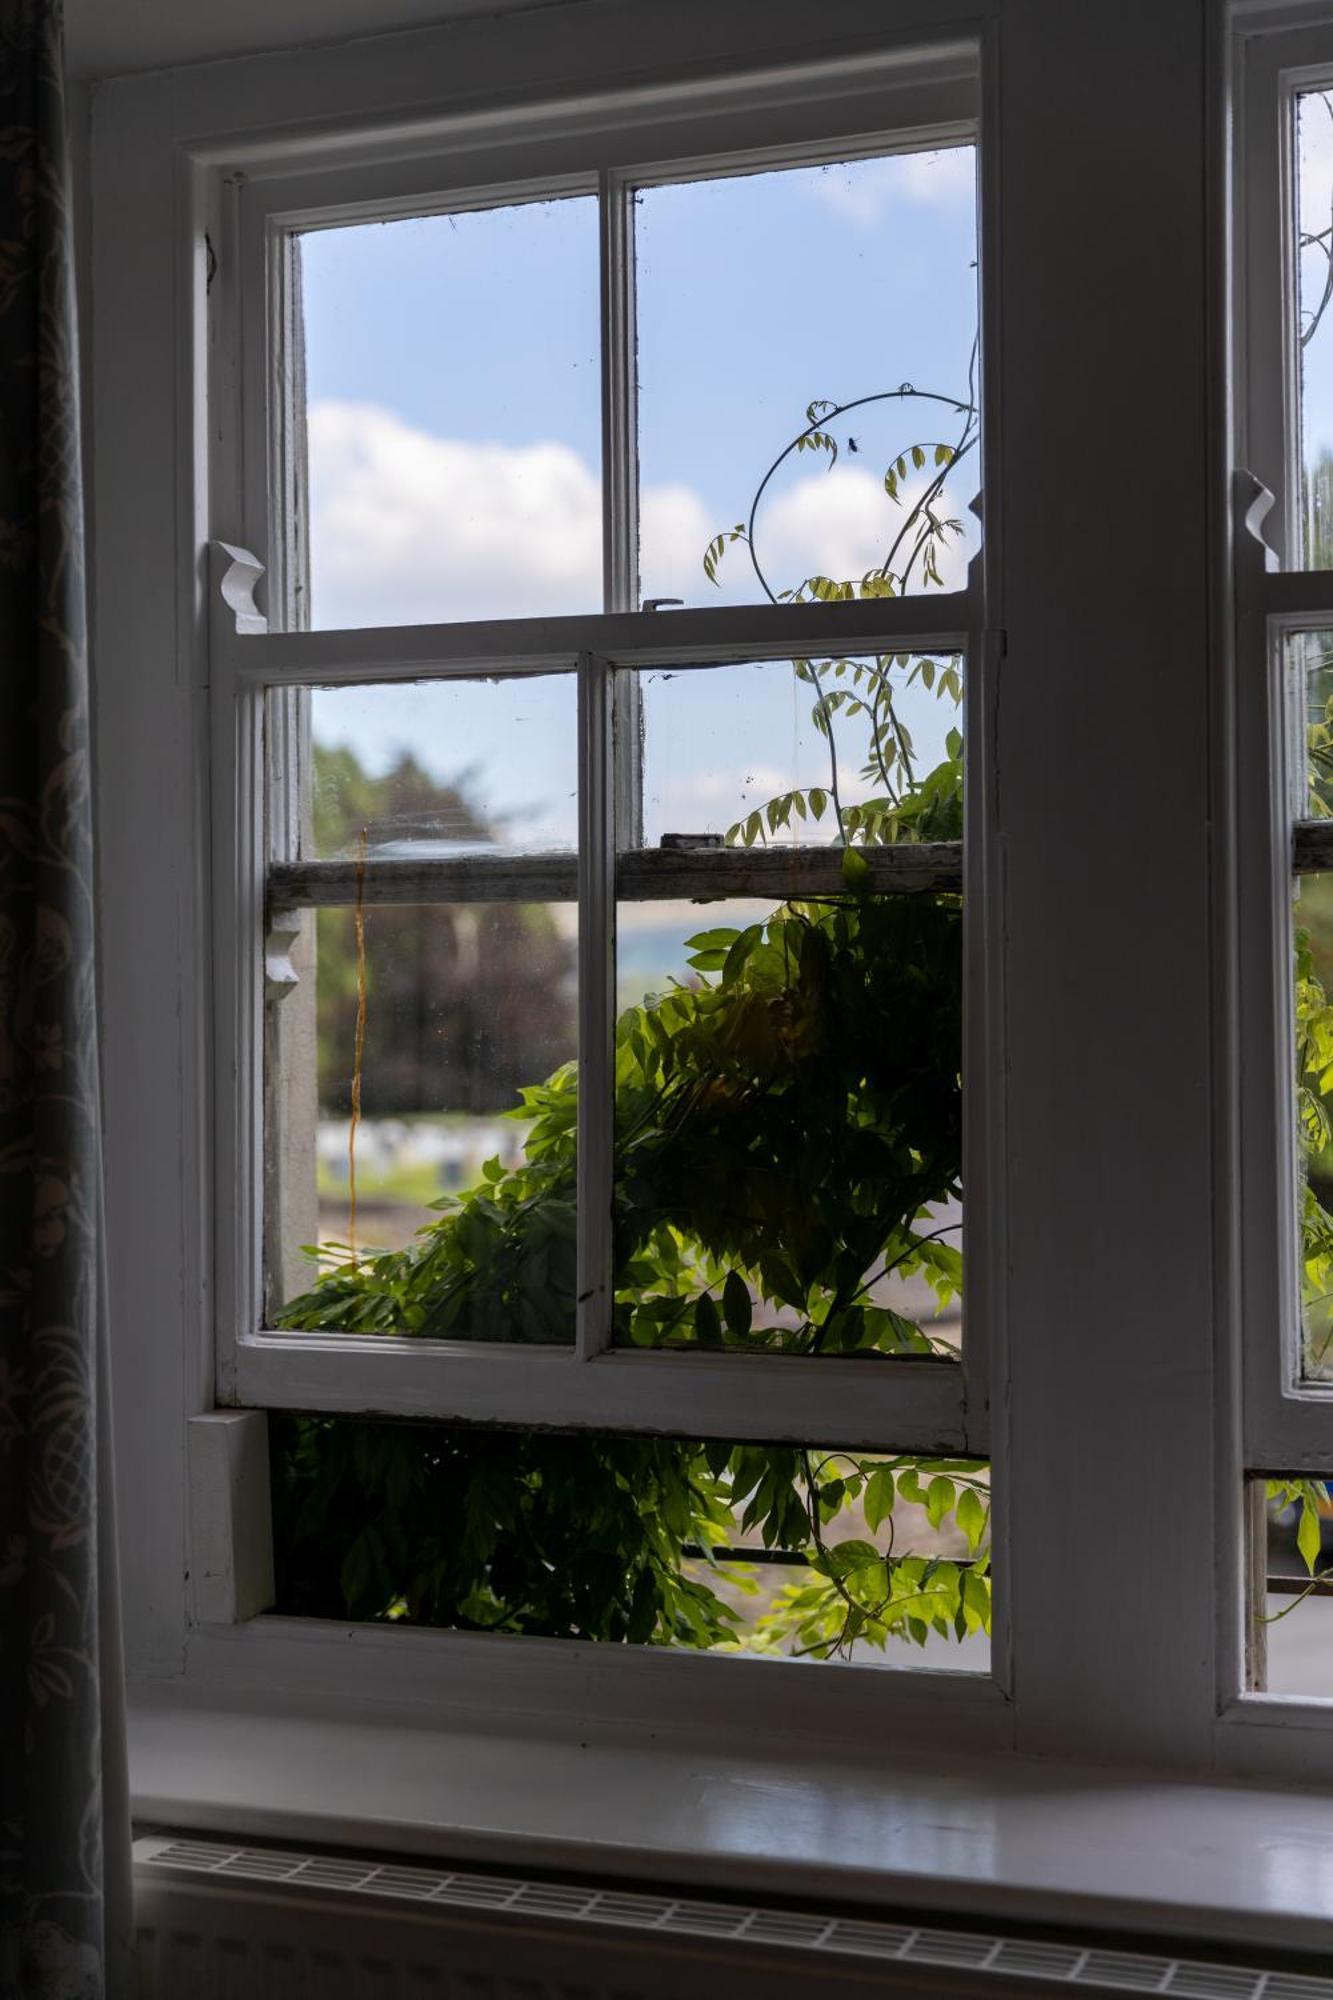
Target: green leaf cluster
786, 1124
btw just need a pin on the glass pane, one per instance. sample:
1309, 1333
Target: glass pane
875, 741
782, 315
437, 769
1314, 136
788, 1072
1313, 917
439, 1099
1292, 1644
420, 1054
452, 382
1311, 656
666, 1541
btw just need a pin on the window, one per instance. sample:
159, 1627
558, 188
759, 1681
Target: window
478, 366
571, 1088
1284, 616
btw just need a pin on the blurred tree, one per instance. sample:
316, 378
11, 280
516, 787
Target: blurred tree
464, 1004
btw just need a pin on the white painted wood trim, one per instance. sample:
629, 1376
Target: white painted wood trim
1131, 1663
620, 395
558, 1690
908, 1404
1105, 1379
899, 88
968, 1831
934, 623
594, 1166
1288, 1425
239, 879
231, 1528
200, 173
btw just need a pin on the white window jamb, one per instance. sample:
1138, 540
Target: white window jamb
1285, 1422
1288, 1422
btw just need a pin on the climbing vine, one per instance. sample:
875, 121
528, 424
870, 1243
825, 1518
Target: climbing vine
788, 1128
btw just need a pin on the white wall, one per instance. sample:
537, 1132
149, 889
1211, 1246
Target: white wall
107, 37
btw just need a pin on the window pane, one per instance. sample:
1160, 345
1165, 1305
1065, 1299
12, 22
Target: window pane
1313, 915
608, 1538
444, 769
767, 304
1311, 656
452, 384
876, 740
1314, 134
1291, 1648
420, 1064
788, 1072
441, 1068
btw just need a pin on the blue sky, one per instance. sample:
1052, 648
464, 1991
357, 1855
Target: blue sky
454, 394
1315, 147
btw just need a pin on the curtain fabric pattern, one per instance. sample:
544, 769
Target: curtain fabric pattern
63, 1826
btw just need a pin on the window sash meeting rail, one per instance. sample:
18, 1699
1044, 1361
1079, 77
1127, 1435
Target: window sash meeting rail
892, 1402
247, 653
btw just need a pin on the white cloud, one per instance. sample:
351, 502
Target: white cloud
676, 527
864, 190
841, 523
406, 527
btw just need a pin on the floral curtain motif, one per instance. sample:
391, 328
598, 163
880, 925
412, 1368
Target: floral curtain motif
64, 1837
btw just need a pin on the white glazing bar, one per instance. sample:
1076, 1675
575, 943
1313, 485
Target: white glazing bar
620, 482
620, 472
982, 902
596, 1001
938, 623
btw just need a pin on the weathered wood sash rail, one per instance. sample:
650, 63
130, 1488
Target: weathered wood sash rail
646, 875
1311, 846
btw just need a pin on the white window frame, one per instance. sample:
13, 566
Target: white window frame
1099, 1388
238, 202
1287, 1422
833, 112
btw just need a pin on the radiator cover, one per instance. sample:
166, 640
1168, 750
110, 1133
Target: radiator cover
217, 1921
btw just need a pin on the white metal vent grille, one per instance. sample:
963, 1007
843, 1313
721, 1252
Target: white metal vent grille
849, 1938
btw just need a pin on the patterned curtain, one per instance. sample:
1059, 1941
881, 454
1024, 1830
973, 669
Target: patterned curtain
64, 1834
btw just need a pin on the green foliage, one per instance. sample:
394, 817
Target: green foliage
785, 1124
1314, 1096
515, 1531
773, 1140
615, 1538
1310, 1497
